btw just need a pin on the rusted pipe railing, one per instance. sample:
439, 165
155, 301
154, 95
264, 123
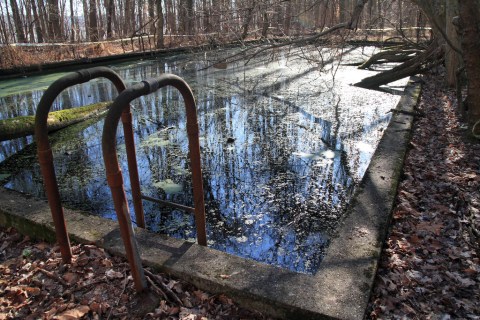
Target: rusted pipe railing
114, 174
45, 155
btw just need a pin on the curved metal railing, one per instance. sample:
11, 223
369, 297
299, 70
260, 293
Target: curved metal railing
114, 174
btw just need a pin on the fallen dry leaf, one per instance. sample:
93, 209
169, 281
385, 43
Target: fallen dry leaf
73, 314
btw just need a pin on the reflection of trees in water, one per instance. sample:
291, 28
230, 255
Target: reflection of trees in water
254, 179
263, 200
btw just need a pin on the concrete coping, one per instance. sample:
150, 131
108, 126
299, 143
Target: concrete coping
339, 290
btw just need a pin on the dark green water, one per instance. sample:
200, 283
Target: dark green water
284, 141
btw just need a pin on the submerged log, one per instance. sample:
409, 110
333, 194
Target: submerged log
25, 125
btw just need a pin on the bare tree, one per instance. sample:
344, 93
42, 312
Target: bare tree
93, 24
17, 21
160, 40
110, 12
54, 24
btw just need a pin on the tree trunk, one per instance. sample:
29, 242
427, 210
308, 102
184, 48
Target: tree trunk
206, 16
42, 12
190, 18
25, 125
38, 26
453, 60
29, 22
17, 22
422, 62
469, 11
3, 29
288, 17
151, 16
54, 27
247, 20
93, 24
86, 15
110, 15
160, 41
265, 20
170, 17
129, 27
72, 22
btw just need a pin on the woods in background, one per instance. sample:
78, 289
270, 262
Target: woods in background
39, 21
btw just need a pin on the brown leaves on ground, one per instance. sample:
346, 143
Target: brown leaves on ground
36, 284
430, 266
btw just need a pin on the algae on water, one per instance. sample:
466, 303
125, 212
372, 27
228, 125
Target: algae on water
168, 186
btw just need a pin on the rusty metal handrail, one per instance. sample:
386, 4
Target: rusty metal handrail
45, 155
114, 174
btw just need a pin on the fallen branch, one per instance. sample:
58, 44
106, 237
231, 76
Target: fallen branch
421, 63
51, 275
156, 289
169, 294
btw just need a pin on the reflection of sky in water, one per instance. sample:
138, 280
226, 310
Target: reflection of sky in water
282, 148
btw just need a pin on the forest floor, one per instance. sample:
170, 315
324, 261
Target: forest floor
429, 269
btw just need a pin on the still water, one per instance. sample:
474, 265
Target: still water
284, 138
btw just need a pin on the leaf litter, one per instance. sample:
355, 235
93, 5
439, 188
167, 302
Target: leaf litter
429, 267
36, 284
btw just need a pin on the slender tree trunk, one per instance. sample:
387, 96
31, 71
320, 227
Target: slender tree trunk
469, 11
43, 19
190, 17
54, 27
3, 29
129, 17
93, 24
342, 11
453, 60
17, 21
288, 18
86, 15
160, 41
206, 16
151, 16
30, 22
72, 22
110, 15
170, 15
38, 25
247, 20
265, 20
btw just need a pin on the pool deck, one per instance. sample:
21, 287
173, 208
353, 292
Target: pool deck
339, 290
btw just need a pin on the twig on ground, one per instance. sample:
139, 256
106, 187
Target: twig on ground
170, 294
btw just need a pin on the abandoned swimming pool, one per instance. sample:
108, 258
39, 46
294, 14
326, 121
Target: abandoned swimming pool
285, 139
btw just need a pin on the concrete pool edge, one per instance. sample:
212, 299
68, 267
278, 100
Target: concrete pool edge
340, 289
